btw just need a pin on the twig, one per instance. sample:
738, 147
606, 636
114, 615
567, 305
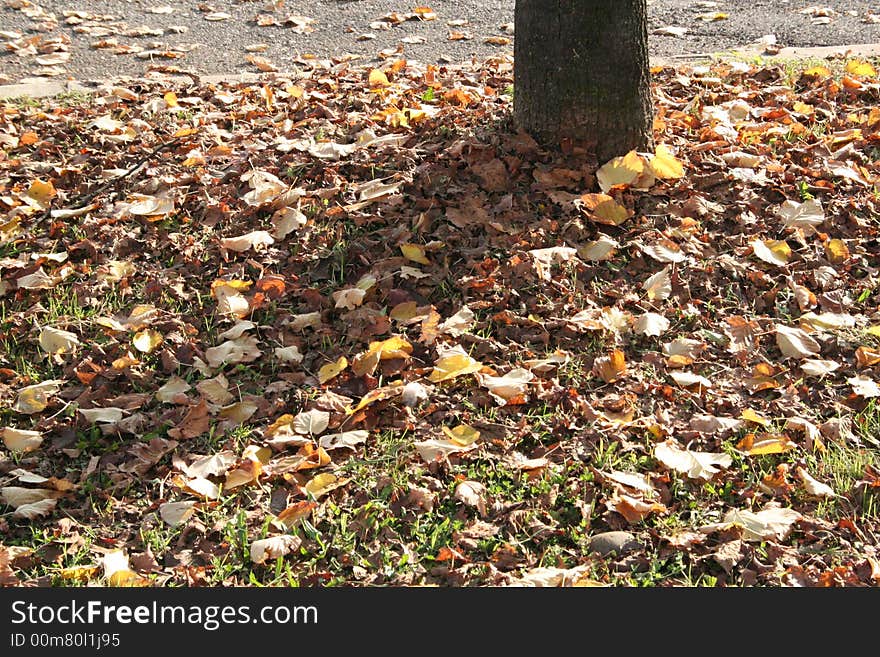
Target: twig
83, 201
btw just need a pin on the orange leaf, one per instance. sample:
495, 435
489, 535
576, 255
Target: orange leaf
611, 367
865, 357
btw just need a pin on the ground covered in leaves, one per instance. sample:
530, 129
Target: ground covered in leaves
348, 327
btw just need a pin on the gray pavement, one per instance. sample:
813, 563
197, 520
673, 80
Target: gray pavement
91, 40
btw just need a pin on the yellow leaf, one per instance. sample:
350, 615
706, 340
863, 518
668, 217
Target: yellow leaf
452, 366
403, 312
874, 330
321, 484
665, 165
171, 99
81, 574
860, 68
836, 251
394, 347
753, 416
147, 340
415, 253
603, 209
818, 72
776, 252
463, 435
331, 370
378, 78
41, 192
767, 443
623, 170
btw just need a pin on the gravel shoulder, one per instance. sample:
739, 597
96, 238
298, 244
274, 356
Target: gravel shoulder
99, 39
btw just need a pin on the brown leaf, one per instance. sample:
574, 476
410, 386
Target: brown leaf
194, 423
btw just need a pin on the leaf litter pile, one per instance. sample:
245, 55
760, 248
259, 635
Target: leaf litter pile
348, 327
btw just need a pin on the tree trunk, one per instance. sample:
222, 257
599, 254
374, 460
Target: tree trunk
581, 73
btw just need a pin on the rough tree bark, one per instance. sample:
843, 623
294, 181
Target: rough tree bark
581, 73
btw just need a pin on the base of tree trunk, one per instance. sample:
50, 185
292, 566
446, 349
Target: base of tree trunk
581, 74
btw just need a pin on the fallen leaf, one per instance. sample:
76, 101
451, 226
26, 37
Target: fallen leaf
56, 341
147, 340
765, 443
463, 434
256, 240
665, 165
455, 364
21, 441
652, 324
776, 252
814, 487
632, 508
659, 286
35, 398
510, 386
696, 465
331, 370
771, 524
795, 342
864, 386
273, 547
346, 439
473, 494
312, 422
176, 513
622, 170
612, 367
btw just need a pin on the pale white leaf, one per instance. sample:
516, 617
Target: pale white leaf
795, 342
174, 391
38, 280
473, 494
652, 324
212, 464
432, 449
107, 415
349, 298
289, 354
686, 379
696, 465
818, 367
273, 547
503, 388
801, 215
813, 486
257, 240
16, 496
56, 341
242, 350
311, 422
176, 513
458, 323
659, 286
771, 524
599, 249
864, 386
21, 440
35, 510
346, 439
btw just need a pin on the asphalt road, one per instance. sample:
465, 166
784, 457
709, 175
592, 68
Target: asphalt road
99, 39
